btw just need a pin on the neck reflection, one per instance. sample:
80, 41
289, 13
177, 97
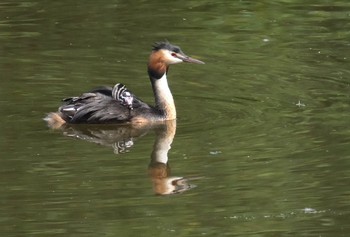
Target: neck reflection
159, 169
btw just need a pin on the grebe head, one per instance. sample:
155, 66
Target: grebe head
172, 54
164, 54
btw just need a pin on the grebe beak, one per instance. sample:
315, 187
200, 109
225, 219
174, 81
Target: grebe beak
192, 60
187, 59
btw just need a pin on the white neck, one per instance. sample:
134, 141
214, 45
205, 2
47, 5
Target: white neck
163, 97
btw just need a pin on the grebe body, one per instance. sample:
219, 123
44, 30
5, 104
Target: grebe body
118, 104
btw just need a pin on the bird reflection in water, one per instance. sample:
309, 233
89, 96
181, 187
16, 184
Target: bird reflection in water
159, 170
122, 137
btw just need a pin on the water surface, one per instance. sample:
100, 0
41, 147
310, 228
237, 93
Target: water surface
262, 136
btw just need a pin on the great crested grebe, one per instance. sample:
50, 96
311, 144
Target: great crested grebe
118, 104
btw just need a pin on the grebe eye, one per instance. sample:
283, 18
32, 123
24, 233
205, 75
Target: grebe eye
173, 54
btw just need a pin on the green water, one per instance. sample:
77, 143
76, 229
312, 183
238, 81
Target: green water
263, 133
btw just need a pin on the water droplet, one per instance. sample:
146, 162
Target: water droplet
214, 152
309, 210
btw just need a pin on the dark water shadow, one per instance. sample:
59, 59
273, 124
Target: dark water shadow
121, 138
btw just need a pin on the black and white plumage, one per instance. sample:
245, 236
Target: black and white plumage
123, 95
118, 104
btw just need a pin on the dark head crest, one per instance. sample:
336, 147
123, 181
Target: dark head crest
166, 45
